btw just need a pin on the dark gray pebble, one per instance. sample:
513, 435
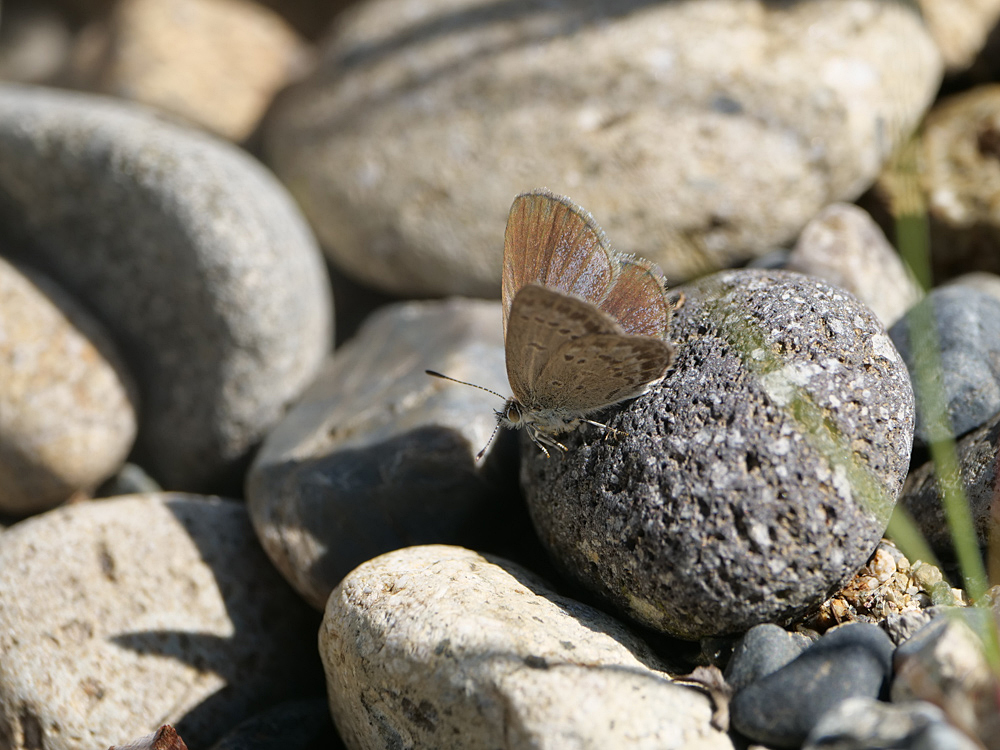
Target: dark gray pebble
781, 709
762, 649
977, 457
968, 333
755, 480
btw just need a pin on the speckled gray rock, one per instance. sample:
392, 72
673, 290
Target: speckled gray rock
968, 371
67, 404
869, 724
977, 457
780, 709
442, 648
755, 480
378, 455
731, 124
192, 255
845, 246
763, 649
117, 616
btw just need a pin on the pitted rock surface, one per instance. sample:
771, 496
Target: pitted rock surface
757, 478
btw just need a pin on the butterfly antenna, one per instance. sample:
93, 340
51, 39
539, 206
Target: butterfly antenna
455, 380
489, 442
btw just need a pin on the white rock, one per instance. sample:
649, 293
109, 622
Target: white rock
440, 647
117, 616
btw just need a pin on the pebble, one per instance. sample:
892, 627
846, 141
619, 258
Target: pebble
236, 56
977, 460
378, 455
762, 649
968, 333
780, 709
755, 479
440, 647
34, 43
844, 246
295, 725
945, 663
869, 724
960, 30
958, 150
67, 403
981, 280
119, 615
407, 145
191, 254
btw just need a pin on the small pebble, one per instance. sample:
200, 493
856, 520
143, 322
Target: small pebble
762, 649
780, 709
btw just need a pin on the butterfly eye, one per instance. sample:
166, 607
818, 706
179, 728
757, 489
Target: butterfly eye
513, 414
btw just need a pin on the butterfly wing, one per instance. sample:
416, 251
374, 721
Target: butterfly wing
542, 320
595, 371
552, 241
638, 298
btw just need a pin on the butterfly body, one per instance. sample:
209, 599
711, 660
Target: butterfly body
584, 326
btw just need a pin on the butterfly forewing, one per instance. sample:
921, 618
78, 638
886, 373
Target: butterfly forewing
638, 299
595, 371
542, 321
552, 241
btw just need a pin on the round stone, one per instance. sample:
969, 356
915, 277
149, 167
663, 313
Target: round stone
67, 404
756, 479
192, 255
406, 147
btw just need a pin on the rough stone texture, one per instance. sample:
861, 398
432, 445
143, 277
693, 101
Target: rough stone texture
120, 615
960, 28
844, 246
945, 663
378, 455
191, 254
732, 123
959, 150
853, 661
67, 405
869, 724
967, 368
439, 647
977, 458
755, 480
236, 55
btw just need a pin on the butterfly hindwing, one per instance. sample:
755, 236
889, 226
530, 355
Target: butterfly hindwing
542, 320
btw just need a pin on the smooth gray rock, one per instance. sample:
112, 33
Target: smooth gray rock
968, 369
379, 455
755, 480
441, 648
117, 616
189, 251
763, 649
732, 123
781, 709
869, 724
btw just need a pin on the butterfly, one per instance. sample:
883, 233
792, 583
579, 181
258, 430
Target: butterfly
585, 327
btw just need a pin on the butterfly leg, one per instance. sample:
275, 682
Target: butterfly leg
607, 430
681, 299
